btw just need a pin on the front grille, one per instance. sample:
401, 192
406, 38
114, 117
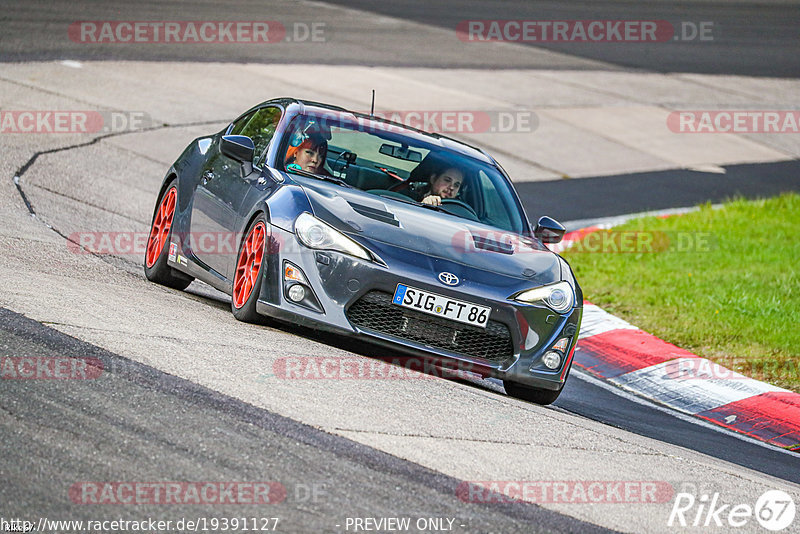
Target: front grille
375, 311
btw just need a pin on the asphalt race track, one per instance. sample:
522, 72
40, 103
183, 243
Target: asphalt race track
760, 38
178, 391
609, 196
130, 415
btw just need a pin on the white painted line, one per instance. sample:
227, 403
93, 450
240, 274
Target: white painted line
708, 167
596, 321
610, 222
72, 64
692, 385
603, 384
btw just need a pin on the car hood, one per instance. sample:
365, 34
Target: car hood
370, 218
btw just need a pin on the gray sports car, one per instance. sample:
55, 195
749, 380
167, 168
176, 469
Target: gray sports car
344, 222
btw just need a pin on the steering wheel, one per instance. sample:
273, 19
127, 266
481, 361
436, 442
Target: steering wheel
456, 202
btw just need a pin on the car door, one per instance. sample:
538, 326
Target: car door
223, 185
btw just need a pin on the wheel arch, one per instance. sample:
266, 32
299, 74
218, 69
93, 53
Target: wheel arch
170, 176
260, 208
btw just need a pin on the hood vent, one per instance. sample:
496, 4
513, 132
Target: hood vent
376, 214
492, 245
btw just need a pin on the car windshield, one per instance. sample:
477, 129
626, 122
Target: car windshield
383, 159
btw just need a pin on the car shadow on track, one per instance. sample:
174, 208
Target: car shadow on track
402, 362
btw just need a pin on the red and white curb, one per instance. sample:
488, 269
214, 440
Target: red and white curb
617, 352
570, 238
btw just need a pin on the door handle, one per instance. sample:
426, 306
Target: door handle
207, 177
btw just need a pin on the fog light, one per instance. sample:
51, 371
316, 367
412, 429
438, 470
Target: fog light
297, 293
551, 359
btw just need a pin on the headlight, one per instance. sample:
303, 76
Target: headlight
316, 234
559, 296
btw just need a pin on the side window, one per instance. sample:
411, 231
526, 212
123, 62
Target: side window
495, 211
238, 126
260, 127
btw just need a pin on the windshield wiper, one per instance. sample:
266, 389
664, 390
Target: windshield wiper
321, 177
391, 197
433, 207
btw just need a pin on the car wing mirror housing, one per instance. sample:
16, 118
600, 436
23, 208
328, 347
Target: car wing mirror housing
238, 147
549, 230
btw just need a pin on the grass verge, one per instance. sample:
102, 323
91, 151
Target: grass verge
722, 283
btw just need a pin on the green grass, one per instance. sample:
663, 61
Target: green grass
734, 298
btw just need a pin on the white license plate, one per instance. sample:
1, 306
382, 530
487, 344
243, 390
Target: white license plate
441, 306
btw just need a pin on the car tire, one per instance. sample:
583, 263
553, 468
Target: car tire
535, 395
156, 268
247, 277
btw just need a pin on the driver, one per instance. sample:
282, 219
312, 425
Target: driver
445, 184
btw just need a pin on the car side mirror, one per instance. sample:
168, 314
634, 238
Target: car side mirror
549, 230
238, 147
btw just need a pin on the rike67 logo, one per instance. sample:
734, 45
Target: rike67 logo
774, 511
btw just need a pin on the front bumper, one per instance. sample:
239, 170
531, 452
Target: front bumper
351, 296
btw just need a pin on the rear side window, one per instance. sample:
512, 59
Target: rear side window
239, 124
260, 127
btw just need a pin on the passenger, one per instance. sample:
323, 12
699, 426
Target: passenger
309, 155
446, 184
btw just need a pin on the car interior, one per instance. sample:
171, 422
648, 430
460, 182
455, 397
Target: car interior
389, 168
